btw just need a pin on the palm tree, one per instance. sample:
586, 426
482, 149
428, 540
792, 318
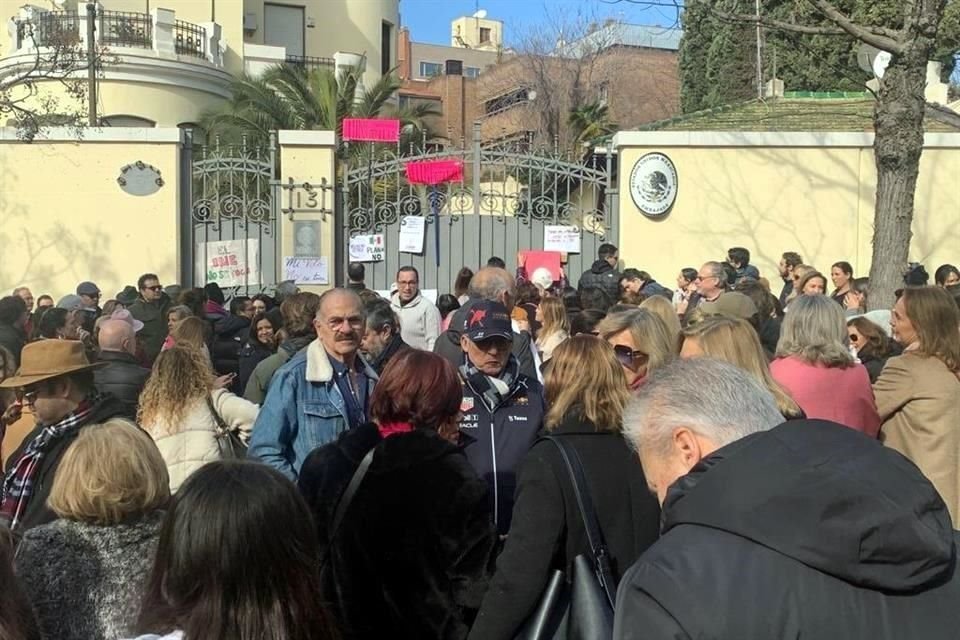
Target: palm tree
591, 121
292, 97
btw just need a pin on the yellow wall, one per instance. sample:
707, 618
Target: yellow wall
64, 218
351, 26
308, 156
815, 200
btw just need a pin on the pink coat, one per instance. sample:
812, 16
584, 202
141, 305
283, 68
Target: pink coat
842, 395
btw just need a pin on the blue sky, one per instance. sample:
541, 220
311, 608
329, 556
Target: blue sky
429, 20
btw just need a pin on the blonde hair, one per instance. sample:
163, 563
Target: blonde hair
798, 273
554, 318
180, 377
735, 341
935, 318
112, 472
664, 310
647, 331
815, 330
584, 375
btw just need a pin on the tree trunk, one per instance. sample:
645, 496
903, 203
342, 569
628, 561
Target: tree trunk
898, 122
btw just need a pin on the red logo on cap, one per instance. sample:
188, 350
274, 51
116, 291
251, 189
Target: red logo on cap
476, 317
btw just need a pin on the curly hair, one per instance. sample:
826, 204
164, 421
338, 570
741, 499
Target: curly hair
180, 377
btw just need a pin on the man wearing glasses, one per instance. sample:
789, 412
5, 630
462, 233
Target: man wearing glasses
151, 309
711, 283
321, 392
89, 294
55, 380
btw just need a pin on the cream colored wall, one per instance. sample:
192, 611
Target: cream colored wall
308, 156
470, 32
64, 218
817, 201
351, 26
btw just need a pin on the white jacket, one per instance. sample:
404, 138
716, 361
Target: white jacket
419, 321
191, 444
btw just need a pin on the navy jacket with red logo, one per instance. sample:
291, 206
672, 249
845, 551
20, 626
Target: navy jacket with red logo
496, 439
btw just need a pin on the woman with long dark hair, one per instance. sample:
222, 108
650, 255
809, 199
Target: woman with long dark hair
841, 273
237, 558
414, 547
260, 344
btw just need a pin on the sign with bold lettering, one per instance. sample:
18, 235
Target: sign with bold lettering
230, 263
367, 248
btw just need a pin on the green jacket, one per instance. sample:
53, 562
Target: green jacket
153, 315
259, 381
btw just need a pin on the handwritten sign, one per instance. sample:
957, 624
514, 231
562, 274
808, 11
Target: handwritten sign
562, 238
412, 229
231, 263
367, 248
306, 270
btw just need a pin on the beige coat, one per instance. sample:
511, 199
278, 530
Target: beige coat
193, 444
550, 343
918, 400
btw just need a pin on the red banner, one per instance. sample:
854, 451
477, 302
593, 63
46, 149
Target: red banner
371, 129
434, 172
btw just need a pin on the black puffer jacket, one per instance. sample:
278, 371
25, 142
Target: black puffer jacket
810, 530
251, 354
123, 378
601, 276
229, 334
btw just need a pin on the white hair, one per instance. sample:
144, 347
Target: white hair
542, 278
714, 399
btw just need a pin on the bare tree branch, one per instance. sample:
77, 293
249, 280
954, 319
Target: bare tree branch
880, 37
943, 115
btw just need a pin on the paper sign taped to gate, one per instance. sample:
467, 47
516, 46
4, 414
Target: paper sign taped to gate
562, 238
412, 229
367, 248
306, 270
229, 263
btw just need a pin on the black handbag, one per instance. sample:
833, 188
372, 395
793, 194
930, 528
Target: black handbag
228, 441
581, 607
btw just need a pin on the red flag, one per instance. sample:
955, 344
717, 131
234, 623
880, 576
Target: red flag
434, 172
371, 129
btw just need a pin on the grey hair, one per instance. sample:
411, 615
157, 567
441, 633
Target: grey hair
490, 283
182, 311
712, 398
716, 271
815, 330
381, 314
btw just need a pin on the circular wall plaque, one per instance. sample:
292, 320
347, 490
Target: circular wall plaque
140, 179
653, 184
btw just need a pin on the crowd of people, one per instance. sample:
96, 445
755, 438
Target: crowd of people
730, 459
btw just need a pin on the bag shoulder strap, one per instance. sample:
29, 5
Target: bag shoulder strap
222, 426
591, 524
347, 497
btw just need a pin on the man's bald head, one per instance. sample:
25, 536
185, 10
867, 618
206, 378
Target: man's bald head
117, 335
494, 284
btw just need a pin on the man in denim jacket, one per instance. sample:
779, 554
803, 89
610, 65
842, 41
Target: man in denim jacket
323, 391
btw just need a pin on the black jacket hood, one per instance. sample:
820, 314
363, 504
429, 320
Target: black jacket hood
828, 497
601, 266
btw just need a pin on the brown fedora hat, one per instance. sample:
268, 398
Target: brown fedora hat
47, 359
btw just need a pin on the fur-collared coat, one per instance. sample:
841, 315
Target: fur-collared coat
85, 581
414, 551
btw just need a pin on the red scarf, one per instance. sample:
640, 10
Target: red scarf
388, 429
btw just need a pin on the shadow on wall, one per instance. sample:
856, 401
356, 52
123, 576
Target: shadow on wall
43, 257
936, 233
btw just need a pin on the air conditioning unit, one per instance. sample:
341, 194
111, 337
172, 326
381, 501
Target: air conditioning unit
250, 21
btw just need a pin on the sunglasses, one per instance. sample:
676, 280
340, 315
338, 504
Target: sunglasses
25, 396
854, 337
628, 357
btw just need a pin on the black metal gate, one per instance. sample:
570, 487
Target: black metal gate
230, 228
509, 193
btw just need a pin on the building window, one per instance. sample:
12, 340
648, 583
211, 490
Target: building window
506, 101
484, 35
471, 72
284, 26
386, 37
430, 69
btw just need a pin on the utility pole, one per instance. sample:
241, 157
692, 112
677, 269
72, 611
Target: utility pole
91, 65
759, 56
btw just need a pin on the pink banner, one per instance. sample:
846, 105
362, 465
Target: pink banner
434, 172
371, 129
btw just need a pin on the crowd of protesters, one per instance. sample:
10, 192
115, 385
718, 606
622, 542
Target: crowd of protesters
729, 459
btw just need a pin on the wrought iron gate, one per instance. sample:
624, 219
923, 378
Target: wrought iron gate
232, 195
508, 195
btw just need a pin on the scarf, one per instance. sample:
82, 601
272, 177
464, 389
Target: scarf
483, 385
388, 429
18, 485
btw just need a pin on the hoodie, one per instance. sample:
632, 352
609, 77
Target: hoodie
810, 530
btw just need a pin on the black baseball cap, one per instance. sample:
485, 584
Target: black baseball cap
487, 319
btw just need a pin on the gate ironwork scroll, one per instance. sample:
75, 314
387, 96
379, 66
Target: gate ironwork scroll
509, 193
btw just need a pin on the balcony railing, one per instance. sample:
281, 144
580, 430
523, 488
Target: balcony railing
50, 29
311, 62
126, 29
190, 39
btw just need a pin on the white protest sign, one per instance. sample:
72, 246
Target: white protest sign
367, 248
562, 238
229, 263
412, 229
306, 270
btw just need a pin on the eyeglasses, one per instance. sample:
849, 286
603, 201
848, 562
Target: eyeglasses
628, 357
854, 337
25, 396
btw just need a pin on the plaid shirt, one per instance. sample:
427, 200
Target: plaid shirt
18, 485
